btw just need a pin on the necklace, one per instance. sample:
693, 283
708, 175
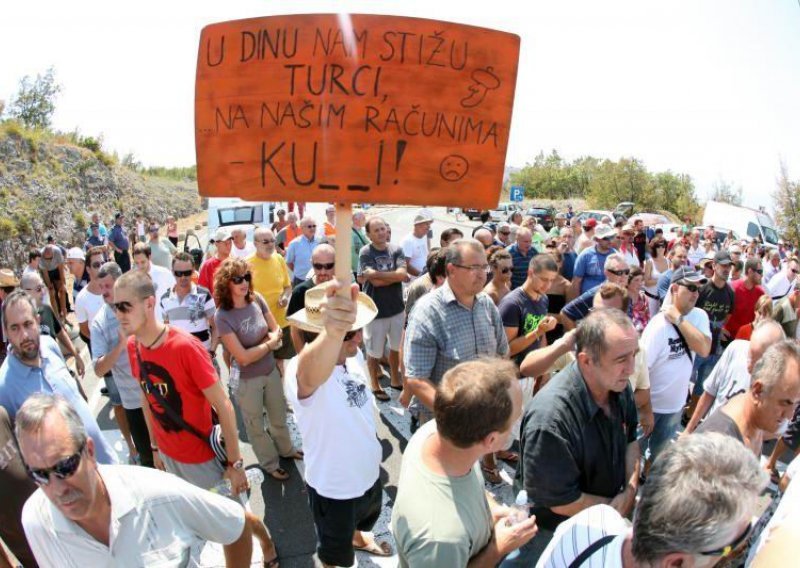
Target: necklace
157, 338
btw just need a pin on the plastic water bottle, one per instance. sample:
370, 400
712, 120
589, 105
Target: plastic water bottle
254, 477
519, 512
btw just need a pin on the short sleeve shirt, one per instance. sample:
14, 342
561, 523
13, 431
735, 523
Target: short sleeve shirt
270, 278
191, 314
730, 376
743, 306
118, 238
298, 300
590, 267
249, 325
416, 251
569, 446
388, 299
53, 263
87, 304
518, 310
104, 333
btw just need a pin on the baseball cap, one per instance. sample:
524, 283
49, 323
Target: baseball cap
94, 226
605, 232
590, 223
222, 234
422, 218
118, 215
684, 274
75, 254
723, 257
561, 215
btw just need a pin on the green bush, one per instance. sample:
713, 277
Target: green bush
8, 229
80, 220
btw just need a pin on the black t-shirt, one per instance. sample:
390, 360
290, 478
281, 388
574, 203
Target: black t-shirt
298, 300
717, 303
388, 299
721, 423
569, 446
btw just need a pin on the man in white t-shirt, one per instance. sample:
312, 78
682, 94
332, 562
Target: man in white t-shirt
713, 476
328, 387
415, 246
241, 247
163, 280
90, 299
110, 515
731, 375
672, 339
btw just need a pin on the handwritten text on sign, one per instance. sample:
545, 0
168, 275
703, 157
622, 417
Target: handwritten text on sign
358, 108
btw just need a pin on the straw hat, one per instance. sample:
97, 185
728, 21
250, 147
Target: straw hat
7, 278
310, 317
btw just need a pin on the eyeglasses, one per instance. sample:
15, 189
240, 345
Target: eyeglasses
239, 279
182, 273
351, 334
693, 288
266, 241
623, 272
64, 469
310, 227
323, 265
474, 267
39, 288
96, 265
505, 232
122, 307
726, 550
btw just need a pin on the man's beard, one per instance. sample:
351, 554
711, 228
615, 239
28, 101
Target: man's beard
28, 350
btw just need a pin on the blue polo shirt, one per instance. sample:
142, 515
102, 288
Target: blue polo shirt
299, 254
520, 264
19, 381
118, 238
590, 267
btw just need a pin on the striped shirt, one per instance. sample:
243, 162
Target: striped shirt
192, 313
576, 534
520, 263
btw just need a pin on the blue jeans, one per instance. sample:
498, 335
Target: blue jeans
666, 426
700, 371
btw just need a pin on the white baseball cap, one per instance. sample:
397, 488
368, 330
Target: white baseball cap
76, 254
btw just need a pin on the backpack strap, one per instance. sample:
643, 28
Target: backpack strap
590, 550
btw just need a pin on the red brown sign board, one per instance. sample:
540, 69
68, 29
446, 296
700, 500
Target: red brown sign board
354, 108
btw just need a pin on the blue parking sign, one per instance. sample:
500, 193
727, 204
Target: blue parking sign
517, 193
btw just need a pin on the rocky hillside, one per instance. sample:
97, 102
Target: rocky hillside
49, 185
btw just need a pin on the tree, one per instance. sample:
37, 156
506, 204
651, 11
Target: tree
787, 205
34, 104
725, 192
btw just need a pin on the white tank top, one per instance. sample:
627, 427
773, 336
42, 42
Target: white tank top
654, 274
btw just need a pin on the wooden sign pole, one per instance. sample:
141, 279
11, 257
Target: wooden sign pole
343, 244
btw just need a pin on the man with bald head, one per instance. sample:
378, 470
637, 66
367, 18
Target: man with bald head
322, 262
521, 255
485, 237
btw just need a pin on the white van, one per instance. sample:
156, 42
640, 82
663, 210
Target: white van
236, 213
749, 223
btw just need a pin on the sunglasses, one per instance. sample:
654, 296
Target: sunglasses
96, 265
726, 550
122, 307
505, 270
182, 273
310, 227
351, 334
623, 272
795, 270
39, 289
693, 288
239, 279
759, 270
64, 469
266, 241
505, 232
323, 266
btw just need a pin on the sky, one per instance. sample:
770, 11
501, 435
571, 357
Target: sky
709, 88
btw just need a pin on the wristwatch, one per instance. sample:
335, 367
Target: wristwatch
238, 464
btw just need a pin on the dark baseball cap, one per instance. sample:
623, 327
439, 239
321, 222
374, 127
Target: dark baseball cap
118, 215
689, 275
723, 257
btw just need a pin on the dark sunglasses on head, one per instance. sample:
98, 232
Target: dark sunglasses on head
239, 279
726, 550
623, 272
693, 288
96, 265
122, 307
64, 469
182, 273
323, 266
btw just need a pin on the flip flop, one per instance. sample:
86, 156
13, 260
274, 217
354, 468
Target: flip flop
396, 388
296, 455
372, 547
381, 395
774, 476
491, 474
273, 563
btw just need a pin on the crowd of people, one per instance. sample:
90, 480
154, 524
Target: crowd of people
632, 383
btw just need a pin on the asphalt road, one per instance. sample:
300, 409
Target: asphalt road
283, 505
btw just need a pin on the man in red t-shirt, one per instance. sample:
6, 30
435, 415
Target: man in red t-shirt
178, 365
222, 241
746, 292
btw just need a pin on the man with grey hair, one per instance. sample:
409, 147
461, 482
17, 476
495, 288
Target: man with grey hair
522, 252
616, 271
732, 373
298, 252
695, 510
85, 514
34, 364
110, 361
454, 323
767, 406
578, 437
241, 247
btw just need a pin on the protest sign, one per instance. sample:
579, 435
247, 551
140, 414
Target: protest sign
354, 108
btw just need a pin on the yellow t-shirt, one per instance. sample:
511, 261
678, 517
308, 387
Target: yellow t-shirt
270, 277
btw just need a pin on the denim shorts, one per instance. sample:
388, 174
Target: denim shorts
113, 391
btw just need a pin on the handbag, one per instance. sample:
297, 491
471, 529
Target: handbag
214, 439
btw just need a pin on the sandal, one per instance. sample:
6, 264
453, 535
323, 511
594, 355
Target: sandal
491, 474
280, 474
273, 563
375, 548
381, 395
399, 388
775, 476
296, 455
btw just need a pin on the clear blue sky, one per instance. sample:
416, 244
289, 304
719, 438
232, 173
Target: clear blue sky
708, 88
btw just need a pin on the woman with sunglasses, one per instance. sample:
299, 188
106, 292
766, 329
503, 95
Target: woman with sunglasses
501, 267
654, 266
248, 331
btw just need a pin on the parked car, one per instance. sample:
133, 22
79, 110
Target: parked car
650, 219
545, 214
503, 211
596, 214
472, 214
